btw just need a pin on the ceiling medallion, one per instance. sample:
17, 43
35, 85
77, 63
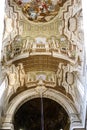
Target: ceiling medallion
40, 10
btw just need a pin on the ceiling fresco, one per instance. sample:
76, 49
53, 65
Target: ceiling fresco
40, 10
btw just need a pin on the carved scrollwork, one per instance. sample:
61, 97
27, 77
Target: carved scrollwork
65, 77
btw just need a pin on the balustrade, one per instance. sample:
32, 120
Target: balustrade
67, 50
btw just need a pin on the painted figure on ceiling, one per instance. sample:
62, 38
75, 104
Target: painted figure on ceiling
40, 10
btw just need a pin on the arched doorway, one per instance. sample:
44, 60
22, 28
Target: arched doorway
32, 94
29, 116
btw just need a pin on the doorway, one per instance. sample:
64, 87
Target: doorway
29, 116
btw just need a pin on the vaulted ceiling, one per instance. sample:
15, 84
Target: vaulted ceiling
44, 35
44, 27
46, 38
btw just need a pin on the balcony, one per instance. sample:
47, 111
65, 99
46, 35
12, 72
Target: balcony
20, 48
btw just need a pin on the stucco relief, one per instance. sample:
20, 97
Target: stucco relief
36, 78
70, 78
11, 74
74, 28
56, 45
60, 25
16, 78
10, 24
26, 28
61, 36
63, 78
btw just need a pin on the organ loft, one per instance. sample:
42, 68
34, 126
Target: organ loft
43, 69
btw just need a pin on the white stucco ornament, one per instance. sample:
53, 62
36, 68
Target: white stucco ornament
70, 78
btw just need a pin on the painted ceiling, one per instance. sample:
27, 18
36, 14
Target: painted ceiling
45, 35
41, 44
40, 10
59, 36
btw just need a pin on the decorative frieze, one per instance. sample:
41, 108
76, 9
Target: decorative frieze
63, 78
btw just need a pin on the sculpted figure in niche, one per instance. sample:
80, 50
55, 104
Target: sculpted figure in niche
66, 68
79, 55
4, 54
17, 78
9, 51
53, 42
33, 45
30, 78
57, 45
50, 43
59, 74
72, 24
11, 74
21, 74
28, 44
24, 46
69, 78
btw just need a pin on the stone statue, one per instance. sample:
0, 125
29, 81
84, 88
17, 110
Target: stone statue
17, 78
59, 74
11, 74
23, 46
66, 68
21, 74
57, 45
70, 78
5, 54
27, 45
53, 43
50, 43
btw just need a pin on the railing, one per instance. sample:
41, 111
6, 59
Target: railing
68, 52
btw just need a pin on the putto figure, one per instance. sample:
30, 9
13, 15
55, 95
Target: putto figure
40, 10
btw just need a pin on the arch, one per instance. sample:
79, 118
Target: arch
27, 95
35, 111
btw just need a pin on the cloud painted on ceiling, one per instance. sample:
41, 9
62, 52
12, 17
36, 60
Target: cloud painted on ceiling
40, 10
